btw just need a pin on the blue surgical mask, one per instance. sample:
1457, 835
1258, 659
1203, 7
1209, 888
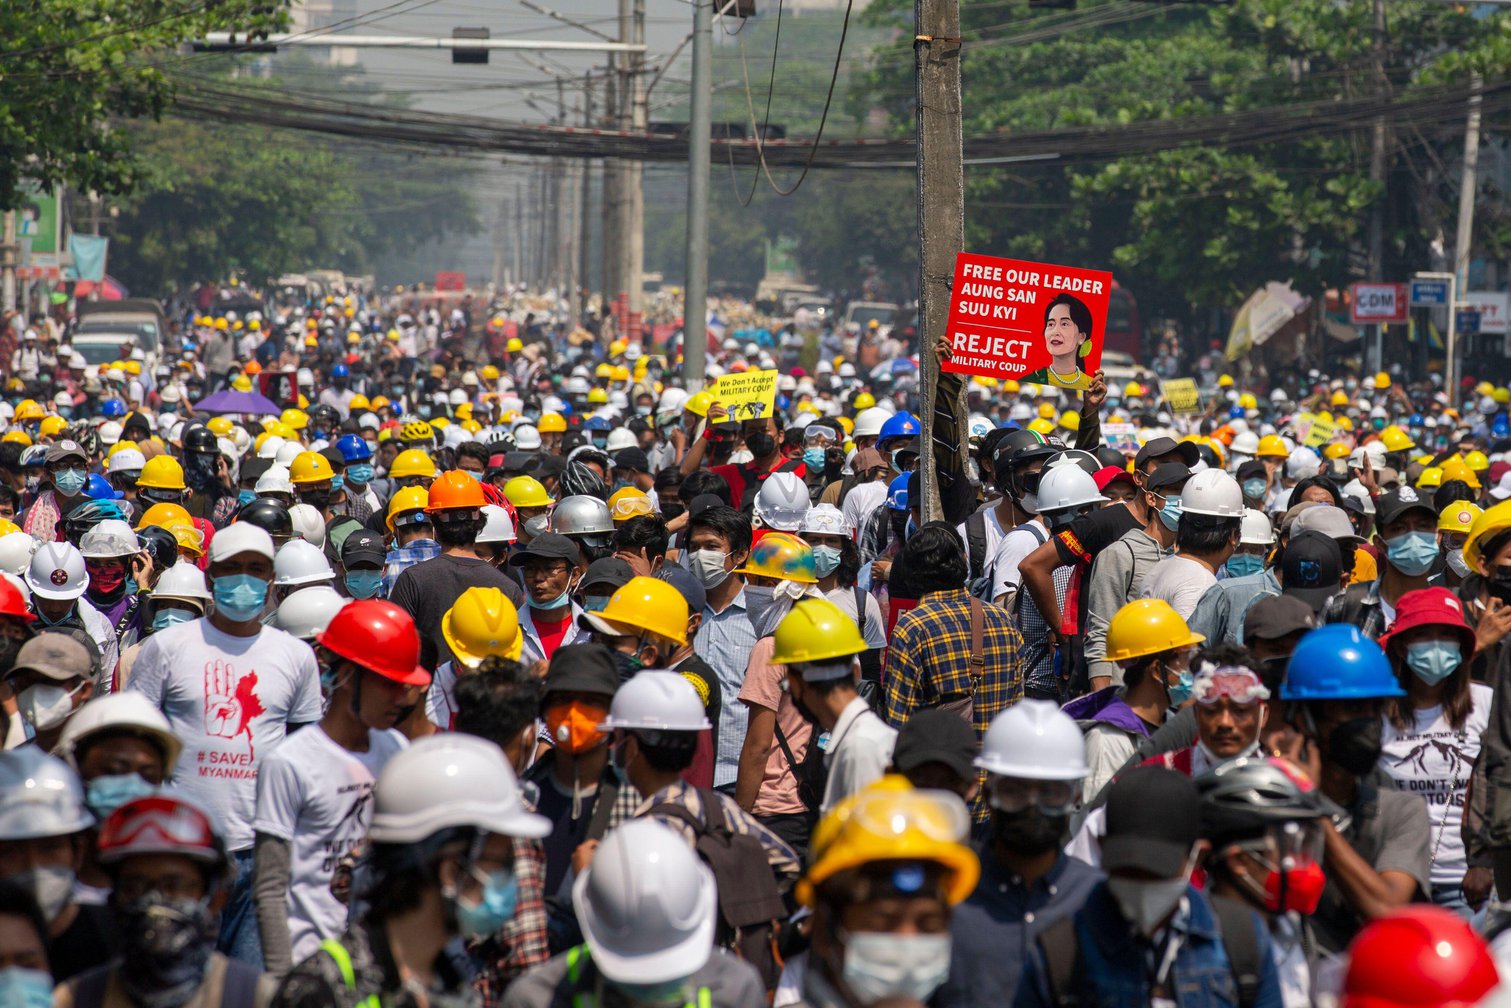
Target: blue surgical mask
69, 481
1181, 691
474, 473
825, 560
813, 458
595, 603
1169, 515
240, 597
337, 481
494, 908
25, 988
1253, 488
245, 497
564, 598
364, 584
1412, 553
600, 442
1433, 661
171, 617
359, 473
105, 794
1243, 564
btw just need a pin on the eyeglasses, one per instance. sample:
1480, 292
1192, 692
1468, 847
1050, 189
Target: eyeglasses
1012, 795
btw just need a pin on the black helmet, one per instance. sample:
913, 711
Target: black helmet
160, 545
1110, 456
1076, 457
270, 516
201, 439
324, 413
1024, 446
1240, 799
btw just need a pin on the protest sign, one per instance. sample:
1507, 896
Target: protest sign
1181, 395
1029, 321
1321, 432
747, 395
1121, 437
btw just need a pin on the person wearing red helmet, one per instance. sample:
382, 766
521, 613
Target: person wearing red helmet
1418, 957
170, 875
312, 791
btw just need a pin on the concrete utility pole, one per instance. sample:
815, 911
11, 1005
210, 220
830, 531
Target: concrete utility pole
1463, 241
699, 136
1377, 175
632, 172
941, 207
9, 253
584, 220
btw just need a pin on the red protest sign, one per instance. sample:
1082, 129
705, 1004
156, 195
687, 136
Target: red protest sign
1027, 321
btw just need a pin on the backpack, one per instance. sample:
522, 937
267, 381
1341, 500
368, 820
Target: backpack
750, 902
980, 584
811, 774
1060, 947
975, 543
869, 688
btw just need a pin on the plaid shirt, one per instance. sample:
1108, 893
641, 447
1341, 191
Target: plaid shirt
1359, 605
399, 560
523, 941
784, 863
928, 661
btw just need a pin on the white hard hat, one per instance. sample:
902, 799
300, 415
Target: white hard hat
1212, 492
308, 523
451, 780
299, 562
497, 525
1353, 488
868, 422
16, 549
1246, 443
57, 572
1019, 411
287, 452
672, 401
1067, 486
1034, 740
270, 446
527, 438
109, 431
782, 502
182, 581
110, 538
306, 613
824, 519
455, 435
128, 712
620, 437
1301, 463
275, 480
458, 396
664, 701
647, 904
125, 460
40, 796
1255, 529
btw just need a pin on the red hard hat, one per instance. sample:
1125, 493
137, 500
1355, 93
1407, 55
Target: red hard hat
1418, 957
160, 824
378, 636
11, 601
454, 490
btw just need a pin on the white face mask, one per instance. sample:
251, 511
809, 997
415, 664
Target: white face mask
1147, 903
708, 565
51, 888
1457, 563
46, 706
879, 964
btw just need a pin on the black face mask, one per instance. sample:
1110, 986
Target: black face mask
672, 509
1499, 583
1030, 831
807, 714
628, 665
1355, 745
317, 499
760, 445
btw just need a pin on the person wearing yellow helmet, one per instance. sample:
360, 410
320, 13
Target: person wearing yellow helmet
1454, 523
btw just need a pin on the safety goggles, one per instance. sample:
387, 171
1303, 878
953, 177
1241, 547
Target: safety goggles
819, 437
1012, 795
630, 507
1241, 685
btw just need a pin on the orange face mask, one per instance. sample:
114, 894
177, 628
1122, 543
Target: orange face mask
574, 726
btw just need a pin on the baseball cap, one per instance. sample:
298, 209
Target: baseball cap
1276, 616
240, 537
1167, 475
581, 668
936, 736
66, 449
611, 573
701, 503
1159, 446
547, 546
1390, 506
55, 655
1329, 520
363, 546
1108, 475
1153, 821
632, 458
1311, 568
687, 585
867, 458
1251, 470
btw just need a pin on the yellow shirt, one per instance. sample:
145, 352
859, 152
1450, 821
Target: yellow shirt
1080, 381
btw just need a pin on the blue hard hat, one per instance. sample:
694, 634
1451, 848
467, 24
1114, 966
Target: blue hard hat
1235, 412
112, 409
98, 487
897, 493
902, 424
353, 448
598, 423
1415, 421
340, 371
1337, 662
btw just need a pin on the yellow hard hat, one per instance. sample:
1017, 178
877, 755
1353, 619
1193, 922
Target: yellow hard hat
463, 412
1430, 479
439, 423
7, 527
604, 370
310, 467
891, 821
406, 500
1133, 388
1342, 422
220, 426
1455, 469
1247, 401
1382, 380
1070, 420
1340, 398
358, 403
552, 423
162, 472
222, 324
1477, 461
629, 502
1047, 411
1225, 381
489, 373
698, 403
864, 400
471, 426
1041, 426
483, 623
1487, 525
379, 402
644, 605
527, 491
241, 383
816, 630
1272, 445
19, 437
515, 344
412, 463
176, 520
1396, 440
781, 555
618, 347
1502, 395
52, 426
1009, 385
311, 340
1484, 388
1335, 450
597, 395
417, 430
133, 367
27, 409
1146, 627
1459, 516
621, 373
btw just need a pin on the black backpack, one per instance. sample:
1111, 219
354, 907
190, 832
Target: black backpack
750, 902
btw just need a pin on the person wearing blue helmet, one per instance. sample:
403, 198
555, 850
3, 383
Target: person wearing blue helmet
112, 409
358, 455
339, 396
597, 429
1337, 688
903, 426
96, 487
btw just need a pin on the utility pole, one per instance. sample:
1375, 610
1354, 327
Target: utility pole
632, 196
941, 207
8, 255
613, 119
519, 232
1377, 174
584, 218
699, 136
1463, 241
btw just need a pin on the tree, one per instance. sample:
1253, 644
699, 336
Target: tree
74, 70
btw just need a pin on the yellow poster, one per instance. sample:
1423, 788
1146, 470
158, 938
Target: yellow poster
1321, 432
1181, 395
747, 395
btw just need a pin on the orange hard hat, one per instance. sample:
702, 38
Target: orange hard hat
455, 490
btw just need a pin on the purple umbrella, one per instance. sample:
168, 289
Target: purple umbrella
232, 401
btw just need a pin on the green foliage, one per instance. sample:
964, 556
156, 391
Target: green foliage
72, 70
